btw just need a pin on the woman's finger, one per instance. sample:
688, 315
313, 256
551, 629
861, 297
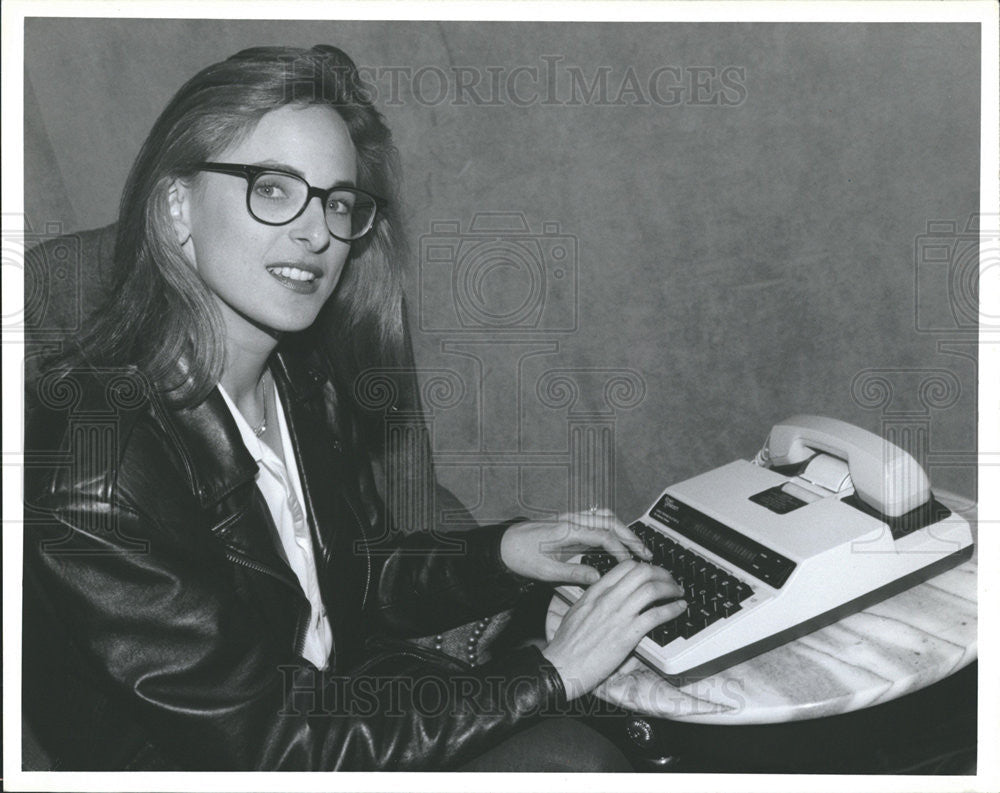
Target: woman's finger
656, 616
647, 587
570, 573
631, 586
634, 544
613, 578
604, 520
586, 537
653, 592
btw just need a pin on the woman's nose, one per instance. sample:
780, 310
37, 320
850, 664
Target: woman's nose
310, 227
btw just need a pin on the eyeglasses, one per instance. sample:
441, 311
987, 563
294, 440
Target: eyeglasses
278, 197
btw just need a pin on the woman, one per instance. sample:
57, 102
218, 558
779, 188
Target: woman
204, 588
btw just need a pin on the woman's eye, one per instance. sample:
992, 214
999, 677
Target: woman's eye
339, 206
271, 190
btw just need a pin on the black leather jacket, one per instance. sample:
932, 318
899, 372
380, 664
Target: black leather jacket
162, 625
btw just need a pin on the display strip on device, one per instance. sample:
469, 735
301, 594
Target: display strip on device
756, 559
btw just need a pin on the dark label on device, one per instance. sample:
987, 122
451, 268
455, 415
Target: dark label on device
777, 500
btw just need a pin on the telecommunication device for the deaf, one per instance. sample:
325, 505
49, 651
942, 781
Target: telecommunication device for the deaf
827, 520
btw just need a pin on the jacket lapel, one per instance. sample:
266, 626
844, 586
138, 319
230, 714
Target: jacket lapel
328, 475
222, 475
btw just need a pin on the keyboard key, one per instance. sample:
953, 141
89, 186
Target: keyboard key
690, 626
665, 633
669, 553
702, 570
643, 532
728, 607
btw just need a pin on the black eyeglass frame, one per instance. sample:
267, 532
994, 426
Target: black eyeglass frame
252, 172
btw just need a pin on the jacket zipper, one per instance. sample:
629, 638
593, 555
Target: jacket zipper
315, 523
303, 624
368, 556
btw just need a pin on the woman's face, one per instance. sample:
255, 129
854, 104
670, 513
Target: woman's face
268, 278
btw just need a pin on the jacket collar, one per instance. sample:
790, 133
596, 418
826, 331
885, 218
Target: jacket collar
217, 461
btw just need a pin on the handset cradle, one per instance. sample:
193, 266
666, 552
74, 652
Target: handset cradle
885, 477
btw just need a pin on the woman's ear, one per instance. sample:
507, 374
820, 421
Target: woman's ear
179, 201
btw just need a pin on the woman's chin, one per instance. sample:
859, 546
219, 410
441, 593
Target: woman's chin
271, 323
290, 325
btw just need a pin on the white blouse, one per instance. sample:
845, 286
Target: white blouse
279, 483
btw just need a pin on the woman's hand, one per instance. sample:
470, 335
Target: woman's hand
539, 549
607, 622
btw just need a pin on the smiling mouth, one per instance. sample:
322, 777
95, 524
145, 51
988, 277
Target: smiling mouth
295, 273
298, 279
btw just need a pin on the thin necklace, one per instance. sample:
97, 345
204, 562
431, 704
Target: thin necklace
260, 428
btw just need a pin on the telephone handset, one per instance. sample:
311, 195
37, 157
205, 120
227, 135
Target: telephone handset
884, 476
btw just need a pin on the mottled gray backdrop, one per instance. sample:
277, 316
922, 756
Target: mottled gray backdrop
635, 246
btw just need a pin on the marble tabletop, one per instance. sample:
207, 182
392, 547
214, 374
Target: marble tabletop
892, 648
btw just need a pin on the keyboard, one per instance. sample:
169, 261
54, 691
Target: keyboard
761, 566
712, 593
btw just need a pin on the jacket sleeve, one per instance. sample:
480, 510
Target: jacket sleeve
429, 582
169, 637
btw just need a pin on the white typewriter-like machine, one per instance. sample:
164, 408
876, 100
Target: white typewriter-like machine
827, 520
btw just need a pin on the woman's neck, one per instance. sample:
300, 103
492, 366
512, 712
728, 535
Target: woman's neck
247, 351
242, 382
245, 382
